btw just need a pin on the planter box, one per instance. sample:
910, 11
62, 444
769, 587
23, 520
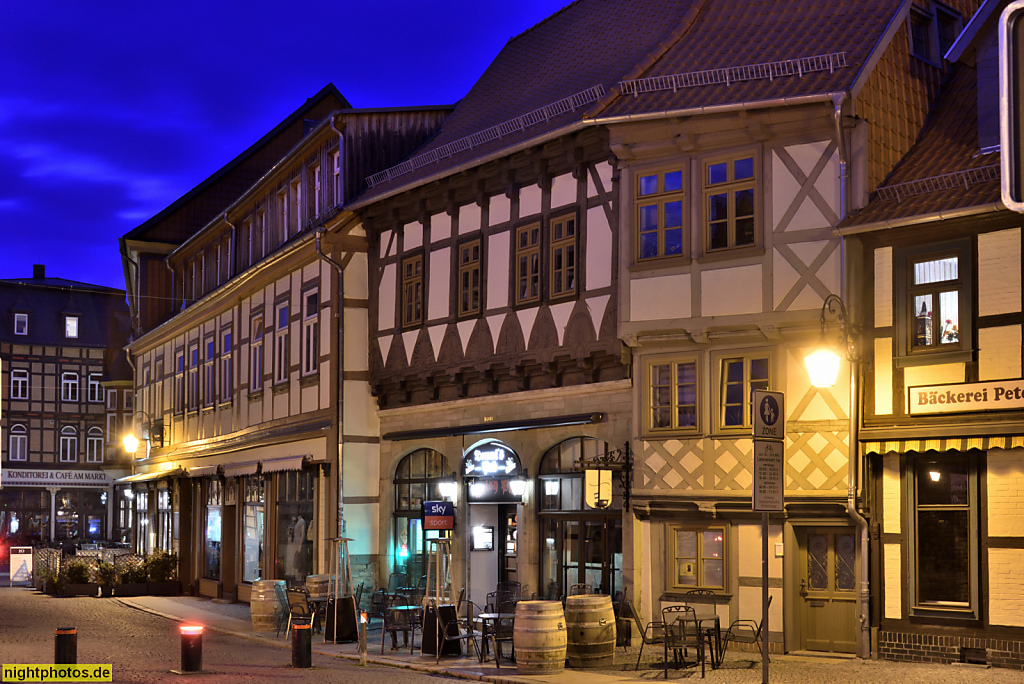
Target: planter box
89, 589
137, 589
106, 590
168, 588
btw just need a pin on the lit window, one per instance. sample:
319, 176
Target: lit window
412, 291
69, 386
698, 557
672, 395
94, 445
659, 219
281, 344
310, 332
68, 444
528, 263
18, 450
563, 255
71, 326
729, 197
469, 278
21, 324
19, 384
95, 389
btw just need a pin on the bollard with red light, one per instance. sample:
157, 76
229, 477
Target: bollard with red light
302, 644
65, 646
191, 648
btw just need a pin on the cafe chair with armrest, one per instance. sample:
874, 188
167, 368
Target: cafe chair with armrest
453, 629
682, 631
744, 632
653, 633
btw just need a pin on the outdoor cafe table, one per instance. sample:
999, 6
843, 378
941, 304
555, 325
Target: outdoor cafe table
493, 621
406, 623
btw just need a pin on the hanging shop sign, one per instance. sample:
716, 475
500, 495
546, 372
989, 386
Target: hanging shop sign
490, 460
438, 515
966, 397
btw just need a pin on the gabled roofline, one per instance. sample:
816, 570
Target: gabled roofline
973, 28
324, 92
876, 53
917, 219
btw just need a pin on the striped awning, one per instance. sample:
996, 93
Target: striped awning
983, 443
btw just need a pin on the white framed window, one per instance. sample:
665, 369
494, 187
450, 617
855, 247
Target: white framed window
95, 389
281, 343
179, 382
316, 191
226, 368
18, 445
111, 399
337, 177
282, 201
111, 427
21, 324
69, 386
740, 375
698, 558
295, 216
71, 327
671, 392
249, 232
260, 240
68, 444
192, 378
94, 445
209, 374
730, 196
19, 384
310, 332
129, 399
256, 355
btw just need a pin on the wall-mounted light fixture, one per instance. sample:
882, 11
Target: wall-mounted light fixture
823, 362
518, 485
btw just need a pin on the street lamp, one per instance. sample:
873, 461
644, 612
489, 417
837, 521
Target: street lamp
823, 362
131, 441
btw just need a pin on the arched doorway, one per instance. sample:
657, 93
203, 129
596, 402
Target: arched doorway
580, 544
417, 479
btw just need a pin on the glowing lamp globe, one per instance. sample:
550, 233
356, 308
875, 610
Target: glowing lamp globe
823, 367
131, 443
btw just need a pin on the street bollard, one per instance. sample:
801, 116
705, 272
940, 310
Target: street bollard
65, 646
362, 638
191, 648
302, 644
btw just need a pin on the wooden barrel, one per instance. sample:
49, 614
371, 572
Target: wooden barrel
590, 623
265, 606
539, 637
320, 586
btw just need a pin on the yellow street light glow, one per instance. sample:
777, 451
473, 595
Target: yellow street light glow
131, 443
823, 367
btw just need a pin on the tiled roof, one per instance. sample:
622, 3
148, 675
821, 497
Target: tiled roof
944, 170
594, 43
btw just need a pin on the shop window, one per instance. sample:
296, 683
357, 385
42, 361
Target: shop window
310, 332
19, 384
256, 355
730, 187
412, 291
934, 308
416, 480
18, 443
295, 528
698, 558
94, 445
141, 530
671, 395
528, 263
944, 509
253, 503
68, 444
214, 501
563, 255
469, 278
69, 386
164, 518
660, 214
739, 376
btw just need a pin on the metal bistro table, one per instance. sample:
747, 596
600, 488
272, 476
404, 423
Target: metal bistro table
501, 627
404, 621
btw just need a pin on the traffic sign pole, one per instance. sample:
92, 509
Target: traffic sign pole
768, 411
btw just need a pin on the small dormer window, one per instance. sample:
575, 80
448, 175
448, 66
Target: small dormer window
71, 326
21, 324
933, 31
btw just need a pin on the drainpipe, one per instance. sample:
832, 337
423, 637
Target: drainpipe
853, 471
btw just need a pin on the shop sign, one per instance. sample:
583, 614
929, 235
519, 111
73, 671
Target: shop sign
19, 477
966, 397
438, 515
488, 490
491, 460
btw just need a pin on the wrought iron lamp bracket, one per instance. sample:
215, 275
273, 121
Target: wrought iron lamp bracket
619, 461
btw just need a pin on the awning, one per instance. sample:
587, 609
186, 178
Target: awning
146, 477
276, 465
237, 469
982, 443
202, 471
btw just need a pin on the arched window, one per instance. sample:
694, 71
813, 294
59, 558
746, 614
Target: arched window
94, 445
581, 544
417, 479
68, 444
18, 447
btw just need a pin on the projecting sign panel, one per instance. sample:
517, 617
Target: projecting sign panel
769, 475
769, 411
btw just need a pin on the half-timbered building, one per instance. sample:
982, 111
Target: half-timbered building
939, 280
253, 387
60, 345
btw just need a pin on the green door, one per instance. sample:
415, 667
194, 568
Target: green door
828, 590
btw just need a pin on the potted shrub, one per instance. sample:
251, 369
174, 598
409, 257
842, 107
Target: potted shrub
106, 575
133, 581
162, 568
76, 579
46, 578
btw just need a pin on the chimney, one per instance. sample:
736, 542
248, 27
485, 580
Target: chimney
38, 270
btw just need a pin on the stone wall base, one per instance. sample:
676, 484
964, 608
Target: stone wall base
940, 648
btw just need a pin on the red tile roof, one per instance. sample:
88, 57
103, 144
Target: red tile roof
945, 170
600, 42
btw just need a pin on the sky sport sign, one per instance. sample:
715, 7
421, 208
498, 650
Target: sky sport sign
967, 397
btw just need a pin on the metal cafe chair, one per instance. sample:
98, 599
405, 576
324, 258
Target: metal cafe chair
653, 633
578, 589
744, 632
682, 631
453, 629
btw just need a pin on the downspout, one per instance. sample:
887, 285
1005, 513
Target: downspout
853, 471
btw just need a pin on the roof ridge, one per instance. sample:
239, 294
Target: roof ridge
542, 21
650, 59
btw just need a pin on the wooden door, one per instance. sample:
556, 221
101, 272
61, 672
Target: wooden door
827, 589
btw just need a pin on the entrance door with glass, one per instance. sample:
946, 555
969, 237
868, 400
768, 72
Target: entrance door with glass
827, 590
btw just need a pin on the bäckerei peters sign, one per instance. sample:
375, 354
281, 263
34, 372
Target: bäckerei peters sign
967, 397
